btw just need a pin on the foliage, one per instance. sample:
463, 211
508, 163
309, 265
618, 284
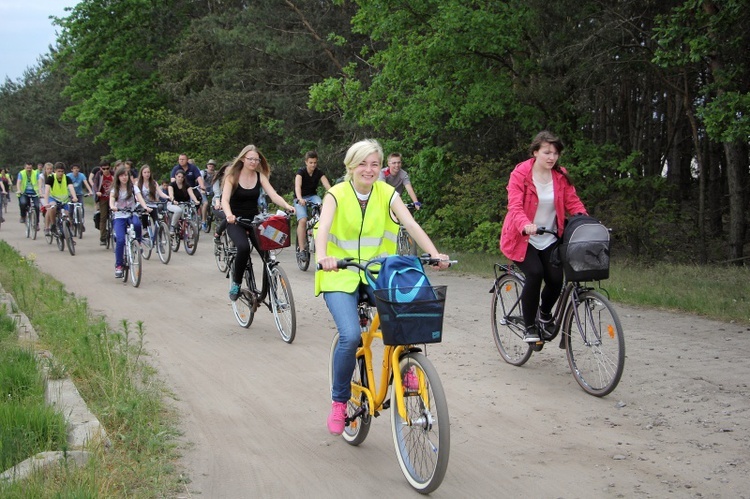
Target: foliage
109, 50
642, 93
712, 34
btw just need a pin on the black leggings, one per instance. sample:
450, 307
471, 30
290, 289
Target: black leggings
240, 240
537, 268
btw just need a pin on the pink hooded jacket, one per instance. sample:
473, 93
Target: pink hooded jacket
522, 205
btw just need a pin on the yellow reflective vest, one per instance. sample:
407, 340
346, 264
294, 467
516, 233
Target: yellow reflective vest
357, 234
59, 189
27, 178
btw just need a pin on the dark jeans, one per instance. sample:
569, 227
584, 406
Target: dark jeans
23, 205
103, 216
240, 240
536, 267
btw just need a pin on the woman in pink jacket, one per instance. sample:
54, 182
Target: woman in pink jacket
540, 194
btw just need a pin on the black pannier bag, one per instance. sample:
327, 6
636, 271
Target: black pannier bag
584, 249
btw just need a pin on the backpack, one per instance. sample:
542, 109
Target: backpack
402, 279
410, 308
584, 249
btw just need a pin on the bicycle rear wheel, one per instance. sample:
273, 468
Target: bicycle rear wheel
191, 237
175, 237
356, 431
595, 344
507, 320
59, 236
422, 440
68, 235
244, 306
135, 263
220, 252
282, 303
148, 240
163, 249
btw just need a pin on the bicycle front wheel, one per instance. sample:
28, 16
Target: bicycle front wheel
406, 245
135, 263
68, 235
422, 440
78, 215
303, 258
191, 237
507, 320
595, 344
357, 409
282, 303
30, 215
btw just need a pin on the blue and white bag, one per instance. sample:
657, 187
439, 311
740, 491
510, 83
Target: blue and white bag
410, 308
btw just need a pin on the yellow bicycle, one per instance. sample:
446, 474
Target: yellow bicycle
419, 412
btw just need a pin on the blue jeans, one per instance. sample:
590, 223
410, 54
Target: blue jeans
301, 211
343, 307
120, 226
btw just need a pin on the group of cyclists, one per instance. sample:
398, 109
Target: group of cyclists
359, 218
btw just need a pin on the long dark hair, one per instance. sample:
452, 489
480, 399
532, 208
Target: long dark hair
128, 184
545, 136
152, 185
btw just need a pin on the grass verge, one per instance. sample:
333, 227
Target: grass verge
27, 424
110, 371
718, 292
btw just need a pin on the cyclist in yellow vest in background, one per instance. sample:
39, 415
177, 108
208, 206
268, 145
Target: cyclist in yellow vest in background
27, 190
59, 190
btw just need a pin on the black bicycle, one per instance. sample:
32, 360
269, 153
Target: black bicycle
303, 256
156, 234
592, 335
62, 230
405, 244
31, 215
275, 292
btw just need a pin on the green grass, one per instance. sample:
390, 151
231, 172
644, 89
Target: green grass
110, 369
27, 424
716, 292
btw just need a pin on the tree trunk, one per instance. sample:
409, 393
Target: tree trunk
736, 165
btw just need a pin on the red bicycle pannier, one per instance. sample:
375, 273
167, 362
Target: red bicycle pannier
273, 233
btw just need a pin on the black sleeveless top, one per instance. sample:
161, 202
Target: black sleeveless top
244, 202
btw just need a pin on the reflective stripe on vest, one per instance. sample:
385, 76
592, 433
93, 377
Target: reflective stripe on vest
356, 236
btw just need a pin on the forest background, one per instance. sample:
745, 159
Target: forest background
652, 99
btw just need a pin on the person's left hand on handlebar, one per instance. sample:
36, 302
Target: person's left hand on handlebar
444, 261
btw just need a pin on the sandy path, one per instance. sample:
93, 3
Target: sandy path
254, 408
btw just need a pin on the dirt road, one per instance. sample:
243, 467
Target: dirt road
253, 408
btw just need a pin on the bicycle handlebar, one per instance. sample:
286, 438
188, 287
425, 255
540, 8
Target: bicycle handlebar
350, 262
249, 223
